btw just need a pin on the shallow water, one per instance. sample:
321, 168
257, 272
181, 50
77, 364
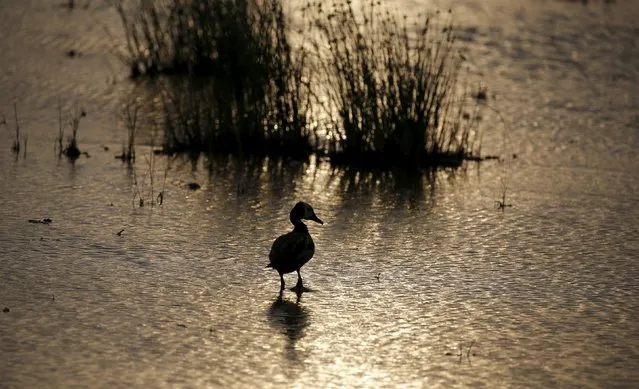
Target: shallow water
545, 291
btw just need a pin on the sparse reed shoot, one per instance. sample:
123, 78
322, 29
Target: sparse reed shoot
144, 191
15, 145
16, 141
129, 115
502, 204
72, 120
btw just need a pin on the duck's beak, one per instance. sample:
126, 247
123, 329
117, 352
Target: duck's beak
316, 219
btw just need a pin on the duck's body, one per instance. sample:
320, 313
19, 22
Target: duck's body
291, 251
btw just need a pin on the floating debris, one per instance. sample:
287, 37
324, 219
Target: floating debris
42, 221
181, 325
481, 95
6, 309
186, 185
120, 233
460, 352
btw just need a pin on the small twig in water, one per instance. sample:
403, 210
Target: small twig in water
460, 353
26, 137
470, 348
15, 147
120, 233
501, 204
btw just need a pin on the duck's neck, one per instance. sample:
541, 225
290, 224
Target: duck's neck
299, 226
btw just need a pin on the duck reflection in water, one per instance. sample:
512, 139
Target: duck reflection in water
290, 319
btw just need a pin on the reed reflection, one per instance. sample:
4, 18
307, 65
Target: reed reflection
392, 187
250, 177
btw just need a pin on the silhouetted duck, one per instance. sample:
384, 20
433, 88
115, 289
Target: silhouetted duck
291, 251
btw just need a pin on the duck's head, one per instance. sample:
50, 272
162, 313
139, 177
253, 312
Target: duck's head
303, 211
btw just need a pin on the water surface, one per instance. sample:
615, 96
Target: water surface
408, 270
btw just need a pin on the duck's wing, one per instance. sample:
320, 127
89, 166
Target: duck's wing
292, 247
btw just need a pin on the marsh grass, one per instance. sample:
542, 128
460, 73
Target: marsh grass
389, 90
258, 103
391, 87
167, 37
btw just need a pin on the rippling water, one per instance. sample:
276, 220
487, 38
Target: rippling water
416, 282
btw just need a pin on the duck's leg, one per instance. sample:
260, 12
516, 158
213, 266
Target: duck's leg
281, 282
299, 284
299, 287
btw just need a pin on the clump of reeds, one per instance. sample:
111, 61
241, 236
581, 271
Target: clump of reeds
391, 86
168, 37
258, 101
72, 119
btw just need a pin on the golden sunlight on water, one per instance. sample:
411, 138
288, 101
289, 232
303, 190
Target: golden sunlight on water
417, 280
